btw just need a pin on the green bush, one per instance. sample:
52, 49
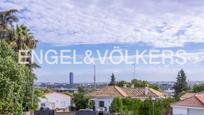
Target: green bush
132, 106
198, 88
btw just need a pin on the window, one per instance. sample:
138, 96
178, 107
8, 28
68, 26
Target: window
42, 104
101, 103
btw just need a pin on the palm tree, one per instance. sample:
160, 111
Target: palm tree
7, 18
24, 39
20, 37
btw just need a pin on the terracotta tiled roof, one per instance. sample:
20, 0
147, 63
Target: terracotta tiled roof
123, 92
200, 97
187, 95
108, 91
56, 93
140, 92
196, 100
156, 93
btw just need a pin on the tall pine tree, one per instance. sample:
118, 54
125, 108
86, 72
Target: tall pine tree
181, 84
113, 80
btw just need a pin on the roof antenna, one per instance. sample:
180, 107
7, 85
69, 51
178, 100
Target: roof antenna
95, 76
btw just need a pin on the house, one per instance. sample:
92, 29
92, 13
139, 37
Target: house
190, 104
103, 97
55, 101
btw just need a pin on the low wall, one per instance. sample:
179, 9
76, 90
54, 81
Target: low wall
64, 113
28, 113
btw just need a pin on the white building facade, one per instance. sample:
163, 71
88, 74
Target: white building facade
55, 101
180, 110
103, 103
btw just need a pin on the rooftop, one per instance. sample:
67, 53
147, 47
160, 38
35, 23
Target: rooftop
196, 100
113, 91
187, 95
55, 93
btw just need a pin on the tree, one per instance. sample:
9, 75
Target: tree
181, 83
122, 83
19, 37
113, 80
19, 77
146, 107
150, 106
37, 93
7, 18
80, 100
154, 86
166, 108
116, 105
24, 39
131, 106
138, 83
198, 88
81, 90
14, 80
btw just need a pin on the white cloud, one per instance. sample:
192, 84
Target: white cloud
162, 23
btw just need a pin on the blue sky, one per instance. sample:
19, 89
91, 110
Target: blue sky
104, 24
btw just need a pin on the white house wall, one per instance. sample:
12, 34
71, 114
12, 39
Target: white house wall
107, 102
188, 111
196, 112
60, 101
54, 100
179, 111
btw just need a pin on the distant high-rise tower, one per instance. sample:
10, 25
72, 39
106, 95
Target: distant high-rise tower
71, 78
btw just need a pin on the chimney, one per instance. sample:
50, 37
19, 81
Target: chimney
146, 89
133, 86
124, 85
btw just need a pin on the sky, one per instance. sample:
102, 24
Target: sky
106, 24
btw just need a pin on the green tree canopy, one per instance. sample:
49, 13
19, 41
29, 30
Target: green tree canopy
181, 84
7, 18
80, 100
141, 83
122, 83
198, 88
132, 106
138, 83
116, 105
113, 80
14, 79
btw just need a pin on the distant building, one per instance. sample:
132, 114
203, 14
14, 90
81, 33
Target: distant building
71, 78
55, 101
169, 92
103, 97
70, 90
167, 88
